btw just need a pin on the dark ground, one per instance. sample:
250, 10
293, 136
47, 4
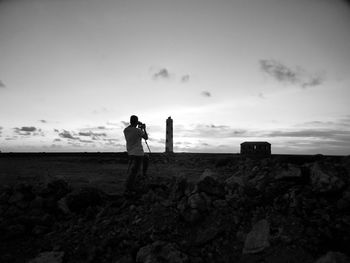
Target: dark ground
69, 208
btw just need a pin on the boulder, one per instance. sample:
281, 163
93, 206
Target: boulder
49, 257
234, 181
209, 185
290, 172
56, 188
192, 215
160, 251
196, 201
258, 238
79, 200
325, 179
333, 257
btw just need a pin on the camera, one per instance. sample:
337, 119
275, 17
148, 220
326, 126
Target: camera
141, 125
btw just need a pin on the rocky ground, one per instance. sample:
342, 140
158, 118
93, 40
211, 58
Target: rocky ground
236, 210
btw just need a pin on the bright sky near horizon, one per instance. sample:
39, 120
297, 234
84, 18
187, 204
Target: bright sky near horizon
72, 73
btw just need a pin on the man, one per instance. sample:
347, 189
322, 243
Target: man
133, 136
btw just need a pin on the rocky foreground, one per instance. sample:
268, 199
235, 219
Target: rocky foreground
241, 210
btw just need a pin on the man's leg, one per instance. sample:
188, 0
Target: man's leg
145, 164
135, 167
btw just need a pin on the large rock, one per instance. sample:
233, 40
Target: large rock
289, 172
258, 238
333, 257
209, 185
49, 257
79, 200
55, 189
325, 179
234, 181
159, 252
196, 201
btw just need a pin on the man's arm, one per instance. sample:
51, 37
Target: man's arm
144, 133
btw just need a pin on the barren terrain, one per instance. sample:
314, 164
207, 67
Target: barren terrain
190, 208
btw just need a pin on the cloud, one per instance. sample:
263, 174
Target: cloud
284, 74
100, 111
67, 135
206, 94
125, 123
211, 131
161, 74
2, 85
185, 78
26, 129
261, 95
93, 135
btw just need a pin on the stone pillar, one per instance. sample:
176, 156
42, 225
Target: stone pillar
169, 136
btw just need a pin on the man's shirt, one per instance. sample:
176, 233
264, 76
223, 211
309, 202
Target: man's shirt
133, 137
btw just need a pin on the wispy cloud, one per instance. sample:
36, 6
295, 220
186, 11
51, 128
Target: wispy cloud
206, 94
295, 76
26, 129
261, 95
162, 74
67, 135
125, 123
185, 78
2, 85
92, 135
211, 131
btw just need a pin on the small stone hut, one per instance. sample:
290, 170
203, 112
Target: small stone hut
256, 148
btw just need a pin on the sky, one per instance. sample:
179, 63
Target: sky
73, 72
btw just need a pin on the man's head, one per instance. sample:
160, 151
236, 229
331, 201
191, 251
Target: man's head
134, 120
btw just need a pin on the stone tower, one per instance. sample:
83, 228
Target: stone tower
169, 136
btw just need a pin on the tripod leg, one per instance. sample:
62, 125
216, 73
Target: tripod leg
129, 165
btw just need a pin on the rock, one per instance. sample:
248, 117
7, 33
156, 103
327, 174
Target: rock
179, 188
196, 201
220, 204
159, 252
56, 188
289, 172
333, 257
16, 197
49, 257
207, 172
37, 203
62, 206
125, 259
79, 200
211, 186
234, 181
258, 238
344, 202
192, 215
15, 231
207, 233
26, 190
325, 179
39, 230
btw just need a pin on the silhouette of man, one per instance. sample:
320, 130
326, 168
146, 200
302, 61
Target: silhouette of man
133, 136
